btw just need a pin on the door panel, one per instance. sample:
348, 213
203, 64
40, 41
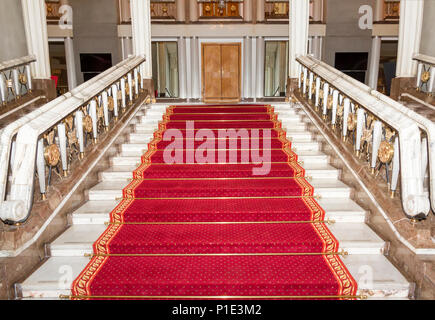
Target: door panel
221, 72
212, 71
230, 71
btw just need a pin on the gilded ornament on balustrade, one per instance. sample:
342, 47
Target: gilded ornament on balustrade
69, 122
87, 123
386, 152
22, 78
351, 122
425, 76
330, 102
111, 103
52, 154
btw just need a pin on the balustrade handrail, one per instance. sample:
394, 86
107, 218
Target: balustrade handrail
424, 58
15, 75
27, 130
10, 64
422, 122
404, 121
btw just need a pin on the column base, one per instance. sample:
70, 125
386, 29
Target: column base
398, 85
292, 85
48, 86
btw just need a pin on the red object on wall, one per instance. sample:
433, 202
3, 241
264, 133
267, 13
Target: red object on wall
55, 78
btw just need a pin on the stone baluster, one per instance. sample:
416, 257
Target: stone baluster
79, 132
40, 167
334, 107
360, 122
377, 137
93, 114
61, 132
396, 167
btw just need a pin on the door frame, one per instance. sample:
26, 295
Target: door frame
239, 41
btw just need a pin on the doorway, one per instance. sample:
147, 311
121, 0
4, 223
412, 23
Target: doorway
221, 72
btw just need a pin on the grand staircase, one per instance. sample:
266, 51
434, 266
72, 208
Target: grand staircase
377, 278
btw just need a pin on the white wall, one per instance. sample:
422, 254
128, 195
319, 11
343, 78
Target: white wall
427, 45
12, 33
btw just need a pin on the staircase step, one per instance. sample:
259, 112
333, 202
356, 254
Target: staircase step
342, 210
339, 210
124, 172
107, 191
125, 161
78, 239
375, 275
141, 137
145, 128
331, 188
297, 146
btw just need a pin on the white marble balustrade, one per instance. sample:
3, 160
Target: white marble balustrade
15, 78
16, 206
396, 116
425, 73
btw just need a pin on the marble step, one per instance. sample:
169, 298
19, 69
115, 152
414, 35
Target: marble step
144, 129
131, 149
124, 172
375, 275
307, 158
325, 188
331, 188
294, 136
353, 238
339, 210
143, 138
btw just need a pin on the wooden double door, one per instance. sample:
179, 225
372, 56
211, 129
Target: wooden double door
221, 72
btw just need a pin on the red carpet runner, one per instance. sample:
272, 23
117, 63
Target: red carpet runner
211, 231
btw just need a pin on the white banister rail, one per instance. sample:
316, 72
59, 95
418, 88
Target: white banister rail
425, 73
377, 122
15, 78
52, 134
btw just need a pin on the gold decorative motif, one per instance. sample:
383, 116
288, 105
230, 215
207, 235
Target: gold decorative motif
389, 134
386, 152
72, 137
207, 8
111, 103
87, 123
425, 76
52, 155
340, 110
351, 122
330, 102
9, 83
69, 122
22, 78
233, 8
100, 110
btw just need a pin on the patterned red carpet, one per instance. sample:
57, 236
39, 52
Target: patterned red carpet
208, 227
